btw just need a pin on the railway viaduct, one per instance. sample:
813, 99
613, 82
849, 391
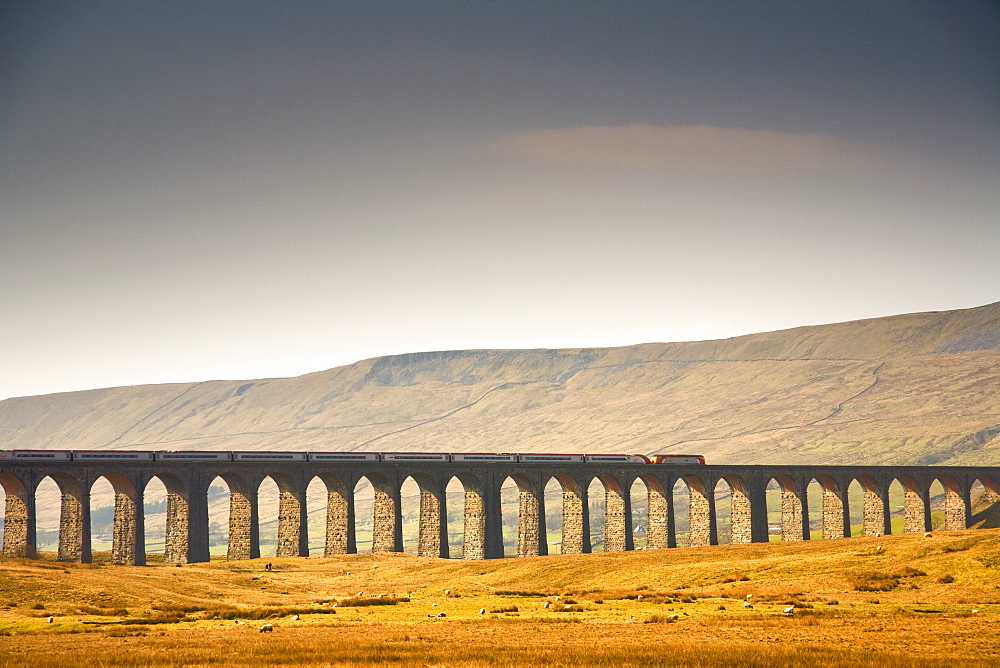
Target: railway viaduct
187, 505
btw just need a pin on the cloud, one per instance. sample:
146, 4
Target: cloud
693, 148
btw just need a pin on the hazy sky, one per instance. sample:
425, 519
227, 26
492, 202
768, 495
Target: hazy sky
198, 190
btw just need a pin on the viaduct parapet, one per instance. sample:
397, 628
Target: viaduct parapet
187, 486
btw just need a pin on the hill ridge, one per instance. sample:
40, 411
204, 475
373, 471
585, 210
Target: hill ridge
901, 389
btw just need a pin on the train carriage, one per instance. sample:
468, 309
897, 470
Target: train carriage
112, 456
543, 458
264, 456
35, 455
193, 456
416, 457
344, 456
616, 459
482, 457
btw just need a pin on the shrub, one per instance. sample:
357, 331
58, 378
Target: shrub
947, 578
738, 576
509, 608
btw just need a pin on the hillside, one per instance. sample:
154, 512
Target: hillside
909, 389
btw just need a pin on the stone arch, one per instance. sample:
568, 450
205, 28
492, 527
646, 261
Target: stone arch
74, 518
431, 536
127, 534
659, 514
292, 538
617, 520
387, 532
186, 526
874, 507
474, 517
916, 505
531, 519
340, 517
575, 518
701, 512
741, 514
794, 509
836, 518
19, 518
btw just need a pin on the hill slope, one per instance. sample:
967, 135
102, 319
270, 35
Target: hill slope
909, 389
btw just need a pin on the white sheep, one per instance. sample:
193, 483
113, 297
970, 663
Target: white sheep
434, 605
295, 618
267, 628
928, 534
547, 604
878, 549
640, 597
441, 614
674, 617
748, 605
447, 591
239, 623
51, 619
567, 608
748, 596
790, 609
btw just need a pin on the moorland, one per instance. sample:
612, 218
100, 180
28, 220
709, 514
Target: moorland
905, 600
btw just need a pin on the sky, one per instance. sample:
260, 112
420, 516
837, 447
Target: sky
194, 191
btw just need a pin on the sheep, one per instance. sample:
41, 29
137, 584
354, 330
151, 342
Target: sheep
878, 534
434, 605
567, 608
674, 617
50, 620
441, 614
748, 596
878, 549
482, 611
639, 597
685, 614
267, 628
748, 605
558, 598
295, 618
447, 591
790, 610
547, 604
334, 605
928, 534
239, 623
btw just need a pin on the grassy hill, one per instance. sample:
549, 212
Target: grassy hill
908, 389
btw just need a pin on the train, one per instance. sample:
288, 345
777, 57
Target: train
266, 456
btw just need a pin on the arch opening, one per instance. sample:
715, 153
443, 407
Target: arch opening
814, 501
897, 507
219, 501
598, 508
364, 515
510, 516
267, 516
409, 493
455, 500
724, 511
47, 510
553, 495
773, 495
938, 497
316, 512
682, 512
984, 502
855, 503
154, 502
639, 494
102, 518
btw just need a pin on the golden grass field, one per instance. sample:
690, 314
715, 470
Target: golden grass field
917, 601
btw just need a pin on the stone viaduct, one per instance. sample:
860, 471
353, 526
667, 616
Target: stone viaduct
187, 486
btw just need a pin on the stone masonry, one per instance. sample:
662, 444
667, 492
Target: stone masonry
187, 508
